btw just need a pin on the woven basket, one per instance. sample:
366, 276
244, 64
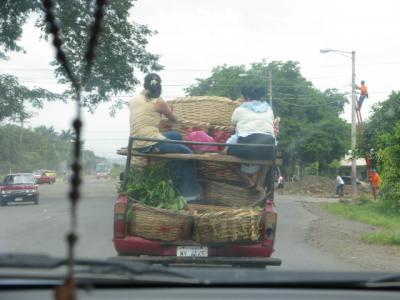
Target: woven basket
218, 193
160, 224
231, 225
184, 127
208, 109
218, 171
142, 162
197, 209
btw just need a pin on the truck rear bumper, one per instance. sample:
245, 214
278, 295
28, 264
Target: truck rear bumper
249, 262
133, 245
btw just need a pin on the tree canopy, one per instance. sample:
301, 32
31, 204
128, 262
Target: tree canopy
311, 127
382, 133
29, 149
120, 54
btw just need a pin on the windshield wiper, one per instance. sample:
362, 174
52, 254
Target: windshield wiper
100, 267
385, 281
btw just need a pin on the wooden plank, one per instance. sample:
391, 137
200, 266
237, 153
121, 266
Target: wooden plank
195, 156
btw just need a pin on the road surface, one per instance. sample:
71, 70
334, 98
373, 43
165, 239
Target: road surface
42, 228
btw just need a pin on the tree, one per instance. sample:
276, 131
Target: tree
311, 128
382, 133
120, 53
15, 97
389, 153
39, 148
384, 116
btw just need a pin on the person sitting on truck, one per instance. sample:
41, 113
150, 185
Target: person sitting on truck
254, 122
146, 109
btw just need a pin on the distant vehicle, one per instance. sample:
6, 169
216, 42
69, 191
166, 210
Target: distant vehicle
102, 175
20, 187
347, 181
45, 176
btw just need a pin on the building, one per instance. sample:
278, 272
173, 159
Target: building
345, 167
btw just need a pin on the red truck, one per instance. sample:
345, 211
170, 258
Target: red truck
240, 253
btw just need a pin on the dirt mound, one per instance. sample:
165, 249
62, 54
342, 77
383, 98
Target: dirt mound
319, 186
312, 185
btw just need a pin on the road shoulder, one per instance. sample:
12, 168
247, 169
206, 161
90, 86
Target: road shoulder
342, 238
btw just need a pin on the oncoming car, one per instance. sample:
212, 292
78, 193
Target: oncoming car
20, 187
45, 177
102, 175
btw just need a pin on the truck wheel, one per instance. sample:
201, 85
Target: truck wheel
3, 203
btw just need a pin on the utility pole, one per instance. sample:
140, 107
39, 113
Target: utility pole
353, 128
270, 86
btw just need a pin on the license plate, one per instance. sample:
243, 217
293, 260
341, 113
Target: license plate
19, 199
191, 251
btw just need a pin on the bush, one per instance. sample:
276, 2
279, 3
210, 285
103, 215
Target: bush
389, 154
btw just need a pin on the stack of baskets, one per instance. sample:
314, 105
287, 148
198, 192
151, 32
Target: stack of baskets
201, 223
230, 213
212, 115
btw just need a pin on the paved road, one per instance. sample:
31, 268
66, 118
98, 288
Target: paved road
42, 228
293, 224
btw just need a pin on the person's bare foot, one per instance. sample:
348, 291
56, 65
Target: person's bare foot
249, 182
258, 188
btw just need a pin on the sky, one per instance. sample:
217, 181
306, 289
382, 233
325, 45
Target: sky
195, 36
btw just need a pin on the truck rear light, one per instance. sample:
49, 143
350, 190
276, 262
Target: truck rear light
119, 217
270, 220
119, 229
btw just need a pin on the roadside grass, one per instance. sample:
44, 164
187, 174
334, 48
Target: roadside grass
372, 213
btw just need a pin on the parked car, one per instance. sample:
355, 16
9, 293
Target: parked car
347, 180
20, 187
45, 177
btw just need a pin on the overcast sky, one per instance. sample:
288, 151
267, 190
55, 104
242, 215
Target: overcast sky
194, 36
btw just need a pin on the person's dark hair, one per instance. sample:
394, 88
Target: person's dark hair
152, 84
253, 92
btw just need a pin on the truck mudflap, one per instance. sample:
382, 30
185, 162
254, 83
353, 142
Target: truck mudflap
247, 262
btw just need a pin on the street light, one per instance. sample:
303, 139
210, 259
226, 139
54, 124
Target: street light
353, 116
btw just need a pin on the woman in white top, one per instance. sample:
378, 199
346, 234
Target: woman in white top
254, 122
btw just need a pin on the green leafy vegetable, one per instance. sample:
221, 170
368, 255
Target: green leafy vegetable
153, 186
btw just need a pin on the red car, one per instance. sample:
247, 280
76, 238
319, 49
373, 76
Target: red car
45, 177
19, 187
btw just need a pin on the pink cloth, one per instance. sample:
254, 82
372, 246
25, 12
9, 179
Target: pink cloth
201, 136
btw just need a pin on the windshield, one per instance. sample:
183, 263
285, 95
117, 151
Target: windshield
242, 130
19, 179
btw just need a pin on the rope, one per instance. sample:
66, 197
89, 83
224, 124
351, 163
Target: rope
67, 291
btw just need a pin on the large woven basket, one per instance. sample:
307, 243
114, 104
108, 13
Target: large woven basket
184, 127
218, 193
160, 224
141, 162
218, 171
209, 109
230, 225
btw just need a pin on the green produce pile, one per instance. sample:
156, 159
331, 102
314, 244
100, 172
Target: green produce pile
153, 186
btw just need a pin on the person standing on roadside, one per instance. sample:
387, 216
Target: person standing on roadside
375, 182
281, 184
339, 185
